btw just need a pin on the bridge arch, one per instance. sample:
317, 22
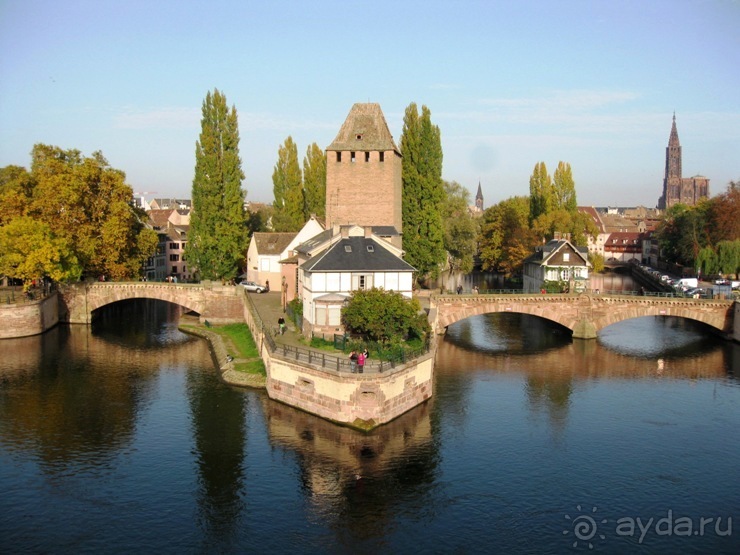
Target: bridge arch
215, 302
99, 297
585, 315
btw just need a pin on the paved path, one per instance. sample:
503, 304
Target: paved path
269, 308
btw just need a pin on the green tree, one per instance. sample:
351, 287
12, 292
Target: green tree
217, 240
460, 229
564, 189
287, 187
423, 192
597, 262
86, 203
505, 236
82, 208
314, 182
29, 250
384, 316
540, 192
728, 257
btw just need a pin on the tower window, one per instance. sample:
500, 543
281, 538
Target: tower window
367, 157
358, 136
382, 156
352, 156
339, 156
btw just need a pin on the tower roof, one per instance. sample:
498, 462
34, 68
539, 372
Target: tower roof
673, 140
364, 129
479, 194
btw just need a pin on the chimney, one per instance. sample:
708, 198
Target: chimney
345, 231
557, 236
368, 231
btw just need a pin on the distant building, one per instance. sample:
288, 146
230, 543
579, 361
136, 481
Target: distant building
477, 208
558, 260
678, 189
172, 226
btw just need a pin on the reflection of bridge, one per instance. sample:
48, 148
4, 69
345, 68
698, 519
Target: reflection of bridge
216, 303
585, 315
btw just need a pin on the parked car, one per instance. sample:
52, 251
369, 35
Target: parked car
252, 286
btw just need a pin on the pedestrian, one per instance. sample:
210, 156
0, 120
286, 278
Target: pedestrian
361, 362
281, 325
267, 286
475, 290
367, 355
353, 361
459, 289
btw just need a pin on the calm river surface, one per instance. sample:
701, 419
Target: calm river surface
121, 439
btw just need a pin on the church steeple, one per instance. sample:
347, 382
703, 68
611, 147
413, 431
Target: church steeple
479, 198
673, 154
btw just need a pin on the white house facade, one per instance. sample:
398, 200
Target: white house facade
354, 260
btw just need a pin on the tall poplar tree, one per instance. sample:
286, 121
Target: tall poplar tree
217, 241
540, 192
314, 181
423, 192
564, 189
287, 187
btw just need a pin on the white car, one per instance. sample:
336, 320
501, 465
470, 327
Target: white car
252, 286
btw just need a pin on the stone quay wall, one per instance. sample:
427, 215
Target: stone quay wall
736, 330
362, 401
29, 318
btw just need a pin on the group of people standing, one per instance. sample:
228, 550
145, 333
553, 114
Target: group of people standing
357, 361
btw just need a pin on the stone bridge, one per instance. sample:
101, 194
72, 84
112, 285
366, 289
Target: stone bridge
213, 302
585, 315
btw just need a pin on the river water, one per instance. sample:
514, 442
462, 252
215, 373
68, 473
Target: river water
120, 438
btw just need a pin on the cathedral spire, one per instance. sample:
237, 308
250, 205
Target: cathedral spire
673, 140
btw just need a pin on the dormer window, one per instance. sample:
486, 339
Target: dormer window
371, 248
347, 248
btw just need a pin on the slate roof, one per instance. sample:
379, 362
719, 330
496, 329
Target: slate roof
310, 244
351, 254
367, 122
272, 243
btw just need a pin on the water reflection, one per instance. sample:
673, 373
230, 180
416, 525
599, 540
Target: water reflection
353, 480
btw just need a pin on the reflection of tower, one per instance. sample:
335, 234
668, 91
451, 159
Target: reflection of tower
364, 164
479, 199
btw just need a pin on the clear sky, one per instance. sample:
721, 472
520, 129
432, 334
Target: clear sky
509, 83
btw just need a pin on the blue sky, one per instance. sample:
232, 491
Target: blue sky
592, 83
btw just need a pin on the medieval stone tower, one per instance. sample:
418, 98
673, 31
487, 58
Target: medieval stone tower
363, 173
688, 190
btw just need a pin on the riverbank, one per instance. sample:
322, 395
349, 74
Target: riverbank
227, 363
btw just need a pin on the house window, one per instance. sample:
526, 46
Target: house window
367, 157
361, 282
174, 246
174, 269
339, 156
174, 257
566, 257
352, 156
382, 156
